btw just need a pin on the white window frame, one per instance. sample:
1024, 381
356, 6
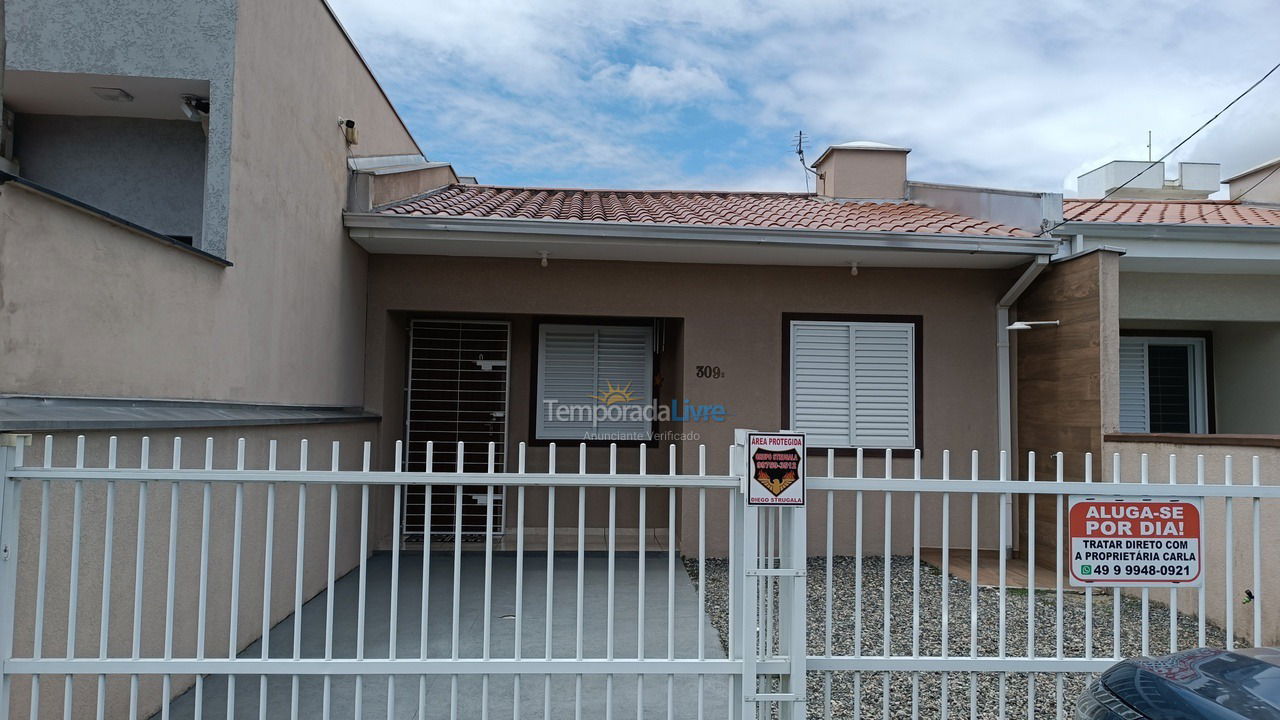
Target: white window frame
541, 430
856, 441
1199, 400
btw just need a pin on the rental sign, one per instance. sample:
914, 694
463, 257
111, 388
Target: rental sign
1135, 542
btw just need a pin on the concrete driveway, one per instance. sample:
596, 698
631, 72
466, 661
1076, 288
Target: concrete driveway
689, 623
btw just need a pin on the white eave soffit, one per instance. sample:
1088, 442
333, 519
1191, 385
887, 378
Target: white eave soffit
489, 237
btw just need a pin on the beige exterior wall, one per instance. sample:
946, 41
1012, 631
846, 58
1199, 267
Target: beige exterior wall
872, 174
1246, 394
1217, 594
88, 308
1199, 296
186, 600
91, 309
398, 186
1259, 190
731, 316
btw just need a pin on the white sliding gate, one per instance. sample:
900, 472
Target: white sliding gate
625, 593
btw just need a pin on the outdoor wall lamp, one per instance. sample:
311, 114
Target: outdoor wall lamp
1032, 324
349, 132
542, 258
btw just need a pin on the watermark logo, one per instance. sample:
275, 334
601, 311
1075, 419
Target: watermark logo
619, 403
614, 394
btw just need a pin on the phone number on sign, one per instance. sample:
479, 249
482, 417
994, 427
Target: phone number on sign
1140, 570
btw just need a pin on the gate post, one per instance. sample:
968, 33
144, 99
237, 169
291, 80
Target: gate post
757, 572
10, 456
793, 608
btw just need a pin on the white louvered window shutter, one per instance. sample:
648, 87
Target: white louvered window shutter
585, 367
853, 383
1133, 385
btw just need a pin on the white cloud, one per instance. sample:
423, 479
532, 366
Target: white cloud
986, 92
678, 84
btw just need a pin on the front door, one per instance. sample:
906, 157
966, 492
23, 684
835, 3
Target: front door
457, 392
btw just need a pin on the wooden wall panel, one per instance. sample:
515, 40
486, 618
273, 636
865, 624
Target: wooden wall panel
1060, 374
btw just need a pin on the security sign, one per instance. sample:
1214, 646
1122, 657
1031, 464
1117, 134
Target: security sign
775, 469
1149, 542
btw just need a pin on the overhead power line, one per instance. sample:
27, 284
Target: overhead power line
1162, 158
1218, 207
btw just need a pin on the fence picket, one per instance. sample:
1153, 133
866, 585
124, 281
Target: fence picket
764, 572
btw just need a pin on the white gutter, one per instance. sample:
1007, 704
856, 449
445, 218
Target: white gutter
1004, 381
1260, 234
371, 225
1004, 377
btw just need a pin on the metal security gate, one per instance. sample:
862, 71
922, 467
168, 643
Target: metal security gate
456, 396
710, 609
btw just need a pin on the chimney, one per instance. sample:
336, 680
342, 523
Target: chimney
863, 170
1261, 183
1195, 181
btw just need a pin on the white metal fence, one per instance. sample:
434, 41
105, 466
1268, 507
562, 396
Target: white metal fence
269, 592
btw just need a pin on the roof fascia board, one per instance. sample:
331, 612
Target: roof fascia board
1252, 170
378, 225
373, 162
1172, 231
397, 169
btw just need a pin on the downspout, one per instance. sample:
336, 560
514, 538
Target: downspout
1004, 380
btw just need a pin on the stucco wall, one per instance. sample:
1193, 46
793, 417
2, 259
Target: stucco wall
1217, 594
90, 309
1194, 296
186, 601
147, 38
150, 172
1246, 357
732, 317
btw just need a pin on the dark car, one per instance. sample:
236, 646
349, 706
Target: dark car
1201, 684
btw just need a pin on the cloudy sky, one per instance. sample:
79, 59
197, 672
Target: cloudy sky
685, 93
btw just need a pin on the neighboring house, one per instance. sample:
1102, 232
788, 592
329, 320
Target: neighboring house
173, 259
1196, 301
871, 314
1170, 336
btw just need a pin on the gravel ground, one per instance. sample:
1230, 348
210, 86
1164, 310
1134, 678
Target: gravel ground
842, 685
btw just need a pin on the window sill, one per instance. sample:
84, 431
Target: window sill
1196, 439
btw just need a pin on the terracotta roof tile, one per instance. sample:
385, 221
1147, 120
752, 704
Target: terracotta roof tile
723, 209
1201, 212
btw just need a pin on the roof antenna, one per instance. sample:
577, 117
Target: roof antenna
800, 138
1148, 146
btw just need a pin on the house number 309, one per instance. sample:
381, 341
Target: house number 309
710, 371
